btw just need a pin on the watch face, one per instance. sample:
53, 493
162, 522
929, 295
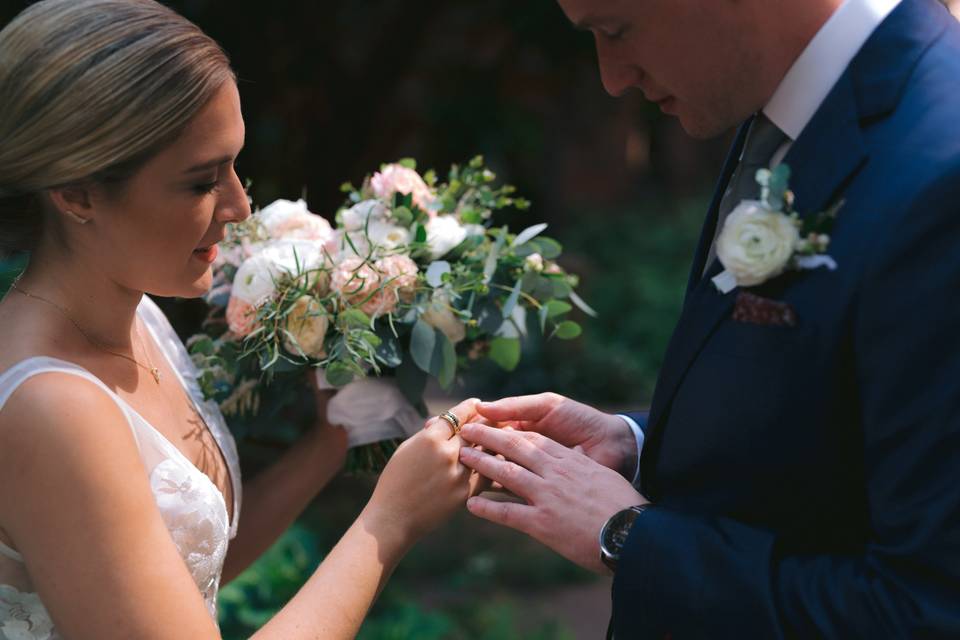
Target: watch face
617, 531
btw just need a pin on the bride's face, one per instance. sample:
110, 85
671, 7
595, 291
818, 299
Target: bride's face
156, 234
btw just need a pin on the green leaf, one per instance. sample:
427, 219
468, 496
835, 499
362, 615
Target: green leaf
403, 216
371, 338
409, 163
355, 318
448, 360
511, 302
423, 340
490, 267
568, 330
339, 374
420, 235
557, 308
528, 234
561, 288
583, 306
543, 313
549, 248
505, 352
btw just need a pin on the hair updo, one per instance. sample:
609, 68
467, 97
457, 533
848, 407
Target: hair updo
91, 90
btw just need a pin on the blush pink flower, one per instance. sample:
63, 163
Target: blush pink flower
395, 178
360, 285
400, 274
241, 317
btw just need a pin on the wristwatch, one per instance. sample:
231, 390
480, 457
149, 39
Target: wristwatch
614, 534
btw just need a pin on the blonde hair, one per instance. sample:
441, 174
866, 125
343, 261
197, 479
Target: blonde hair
91, 89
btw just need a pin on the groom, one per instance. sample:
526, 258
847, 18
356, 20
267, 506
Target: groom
800, 467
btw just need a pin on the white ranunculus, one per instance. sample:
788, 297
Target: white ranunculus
440, 315
355, 218
386, 235
756, 244
255, 281
286, 219
444, 233
307, 325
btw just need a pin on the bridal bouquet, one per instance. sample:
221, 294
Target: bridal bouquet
412, 282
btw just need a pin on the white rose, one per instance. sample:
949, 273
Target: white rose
440, 315
285, 219
355, 218
307, 325
756, 243
444, 233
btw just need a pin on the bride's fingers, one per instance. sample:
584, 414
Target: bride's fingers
464, 412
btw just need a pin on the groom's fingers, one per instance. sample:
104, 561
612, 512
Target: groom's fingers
509, 514
529, 408
530, 449
512, 476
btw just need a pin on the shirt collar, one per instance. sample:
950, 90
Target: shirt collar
821, 64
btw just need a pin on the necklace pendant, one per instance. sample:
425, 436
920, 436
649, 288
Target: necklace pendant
156, 374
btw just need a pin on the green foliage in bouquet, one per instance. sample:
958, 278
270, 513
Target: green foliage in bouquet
414, 282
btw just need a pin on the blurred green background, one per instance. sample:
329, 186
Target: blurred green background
332, 89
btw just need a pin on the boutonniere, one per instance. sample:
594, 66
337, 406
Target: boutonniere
763, 238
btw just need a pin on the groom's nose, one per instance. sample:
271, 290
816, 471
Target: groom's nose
617, 76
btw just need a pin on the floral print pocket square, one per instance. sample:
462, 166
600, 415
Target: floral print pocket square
753, 309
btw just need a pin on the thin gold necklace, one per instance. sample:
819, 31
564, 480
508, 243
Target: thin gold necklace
154, 371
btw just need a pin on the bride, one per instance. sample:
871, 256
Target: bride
120, 507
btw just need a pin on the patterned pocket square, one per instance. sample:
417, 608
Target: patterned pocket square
753, 309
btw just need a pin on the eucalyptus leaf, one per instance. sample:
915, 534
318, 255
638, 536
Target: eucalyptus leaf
490, 267
339, 374
448, 359
505, 352
583, 306
549, 248
435, 273
529, 234
568, 330
423, 340
355, 318
412, 381
557, 308
511, 302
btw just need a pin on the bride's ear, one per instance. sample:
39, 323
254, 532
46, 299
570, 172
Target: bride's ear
75, 202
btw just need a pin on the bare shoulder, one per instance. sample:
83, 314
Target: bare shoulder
75, 497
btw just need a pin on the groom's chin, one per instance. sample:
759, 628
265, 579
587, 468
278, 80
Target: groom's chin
701, 128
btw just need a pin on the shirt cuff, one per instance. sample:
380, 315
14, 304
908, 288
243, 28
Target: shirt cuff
638, 434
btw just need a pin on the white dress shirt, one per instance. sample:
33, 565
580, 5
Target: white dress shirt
816, 71
807, 84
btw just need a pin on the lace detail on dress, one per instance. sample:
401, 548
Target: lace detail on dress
23, 616
196, 518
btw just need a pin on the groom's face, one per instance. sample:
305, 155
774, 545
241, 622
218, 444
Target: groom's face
699, 60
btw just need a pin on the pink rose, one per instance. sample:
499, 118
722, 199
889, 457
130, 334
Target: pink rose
395, 178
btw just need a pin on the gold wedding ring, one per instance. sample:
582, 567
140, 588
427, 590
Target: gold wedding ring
452, 420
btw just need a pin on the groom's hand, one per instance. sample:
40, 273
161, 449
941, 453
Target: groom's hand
568, 496
601, 436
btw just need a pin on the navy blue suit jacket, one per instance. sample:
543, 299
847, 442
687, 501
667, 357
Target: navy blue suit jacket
806, 480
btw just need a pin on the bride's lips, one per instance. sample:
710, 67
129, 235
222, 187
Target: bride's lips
207, 254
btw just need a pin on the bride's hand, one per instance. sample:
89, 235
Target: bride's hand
424, 482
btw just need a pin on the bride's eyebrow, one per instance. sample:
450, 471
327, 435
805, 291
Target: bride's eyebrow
211, 164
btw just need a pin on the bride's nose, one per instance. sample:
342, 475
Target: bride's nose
234, 206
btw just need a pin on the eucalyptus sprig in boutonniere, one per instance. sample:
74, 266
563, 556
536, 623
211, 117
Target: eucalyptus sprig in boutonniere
763, 238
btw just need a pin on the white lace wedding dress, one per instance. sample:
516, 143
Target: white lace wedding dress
192, 506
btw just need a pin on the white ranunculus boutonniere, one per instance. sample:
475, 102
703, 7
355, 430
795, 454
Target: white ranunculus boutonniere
763, 238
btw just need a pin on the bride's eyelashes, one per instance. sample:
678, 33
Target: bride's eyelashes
206, 188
